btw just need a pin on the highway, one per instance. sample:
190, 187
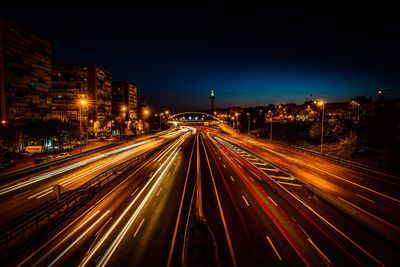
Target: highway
20, 195
259, 203
139, 211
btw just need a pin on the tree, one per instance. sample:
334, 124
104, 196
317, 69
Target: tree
350, 144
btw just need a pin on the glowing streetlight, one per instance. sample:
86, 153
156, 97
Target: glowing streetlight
322, 104
146, 112
123, 109
82, 104
4, 122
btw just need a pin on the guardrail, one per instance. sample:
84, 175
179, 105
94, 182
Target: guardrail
17, 230
39, 167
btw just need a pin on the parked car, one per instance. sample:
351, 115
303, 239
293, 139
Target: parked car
41, 160
52, 157
8, 163
62, 155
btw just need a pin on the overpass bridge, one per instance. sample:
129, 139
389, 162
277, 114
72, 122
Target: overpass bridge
194, 118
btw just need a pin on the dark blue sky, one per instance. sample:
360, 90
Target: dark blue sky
252, 56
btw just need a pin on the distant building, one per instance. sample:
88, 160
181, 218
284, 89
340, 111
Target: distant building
75, 82
25, 74
124, 94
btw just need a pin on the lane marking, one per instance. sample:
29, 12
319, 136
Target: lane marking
137, 230
171, 249
370, 200
232, 179
159, 192
245, 200
319, 251
135, 191
273, 247
220, 210
281, 182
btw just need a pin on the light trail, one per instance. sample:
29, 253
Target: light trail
79, 238
90, 171
116, 242
65, 238
49, 174
107, 255
312, 222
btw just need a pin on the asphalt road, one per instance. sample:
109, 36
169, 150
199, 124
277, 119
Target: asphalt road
131, 222
23, 194
256, 199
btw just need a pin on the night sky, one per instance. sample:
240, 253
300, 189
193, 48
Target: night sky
252, 56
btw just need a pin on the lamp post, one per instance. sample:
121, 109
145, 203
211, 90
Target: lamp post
236, 116
123, 109
321, 103
145, 113
82, 104
248, 127
161, 115
270, 130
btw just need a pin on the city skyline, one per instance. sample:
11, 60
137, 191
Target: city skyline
250, 57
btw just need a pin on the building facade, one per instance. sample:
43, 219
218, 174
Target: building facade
82, 94
25, 74
124, 106
124, 94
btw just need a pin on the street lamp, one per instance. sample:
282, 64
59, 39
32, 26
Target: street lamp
321, 103
123, 109
82, 104
270, 130
248, 128
145, 114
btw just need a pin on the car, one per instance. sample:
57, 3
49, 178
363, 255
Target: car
51, 157
8, 163
41, 160
62, 155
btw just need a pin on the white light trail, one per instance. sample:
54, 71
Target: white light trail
116, 242
68, 168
